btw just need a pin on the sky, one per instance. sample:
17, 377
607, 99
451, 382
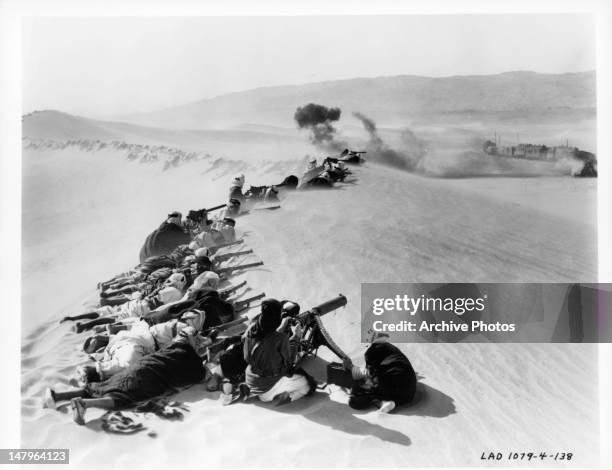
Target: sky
101, 67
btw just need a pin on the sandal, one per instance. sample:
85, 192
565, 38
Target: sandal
78, 410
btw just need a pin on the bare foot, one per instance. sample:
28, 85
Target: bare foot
386, 406
282, 398
49, 399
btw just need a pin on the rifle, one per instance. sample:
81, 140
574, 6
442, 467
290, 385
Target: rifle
225, 293
213, 249
240, 305
227, 256
214, 208
231, 269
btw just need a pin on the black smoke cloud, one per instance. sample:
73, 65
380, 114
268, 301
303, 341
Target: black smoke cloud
318, 119
406, 159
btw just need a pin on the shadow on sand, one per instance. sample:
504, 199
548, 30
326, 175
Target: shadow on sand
321, 409
429, 402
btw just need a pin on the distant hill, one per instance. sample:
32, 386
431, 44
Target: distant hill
60, 126
389, 100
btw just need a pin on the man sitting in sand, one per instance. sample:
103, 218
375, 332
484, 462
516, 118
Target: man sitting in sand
270, 355
387, 381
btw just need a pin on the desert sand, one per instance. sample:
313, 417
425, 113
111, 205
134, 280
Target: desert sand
86, 212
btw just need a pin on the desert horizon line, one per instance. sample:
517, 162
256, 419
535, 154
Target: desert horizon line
268, 87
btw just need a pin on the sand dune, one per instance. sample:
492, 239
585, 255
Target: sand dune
250, 143
383, 225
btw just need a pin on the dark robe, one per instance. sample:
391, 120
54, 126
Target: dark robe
217, 310
394, 377
177, 365
163, 240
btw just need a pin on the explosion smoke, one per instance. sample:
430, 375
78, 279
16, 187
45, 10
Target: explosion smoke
318, 118
407, 159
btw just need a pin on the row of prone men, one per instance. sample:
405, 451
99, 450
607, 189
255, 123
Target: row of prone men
147, 360
157, 329
199, 229
146, 314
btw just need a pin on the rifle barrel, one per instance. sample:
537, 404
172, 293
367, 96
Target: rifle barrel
326, 307
231, 289
243, 302
220, 206
226, 326
230, 269
237, 321
225, 256
223, 245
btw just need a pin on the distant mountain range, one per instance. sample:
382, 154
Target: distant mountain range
388, 100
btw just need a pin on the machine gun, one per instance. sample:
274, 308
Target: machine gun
314, 333
195, 217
